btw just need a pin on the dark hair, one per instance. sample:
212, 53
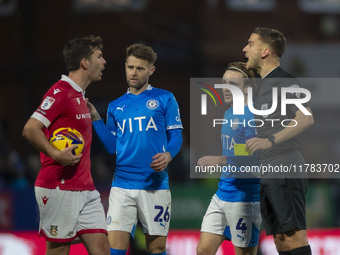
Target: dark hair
142, 51
79, 48
248, 74
274, 38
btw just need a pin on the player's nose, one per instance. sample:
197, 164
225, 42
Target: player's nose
134, 71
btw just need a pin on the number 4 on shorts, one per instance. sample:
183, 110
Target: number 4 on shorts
241, 226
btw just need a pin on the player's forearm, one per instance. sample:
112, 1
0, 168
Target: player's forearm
175, 141
299, 125
106, 137
38, 140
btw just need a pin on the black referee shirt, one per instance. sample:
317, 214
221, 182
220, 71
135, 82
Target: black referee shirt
269, 125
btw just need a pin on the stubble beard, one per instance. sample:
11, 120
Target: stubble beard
137, 86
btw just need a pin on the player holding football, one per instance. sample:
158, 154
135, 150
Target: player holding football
283, 203
69, 205
234, 211
144, 129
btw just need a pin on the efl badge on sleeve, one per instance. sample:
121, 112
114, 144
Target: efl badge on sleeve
47, 103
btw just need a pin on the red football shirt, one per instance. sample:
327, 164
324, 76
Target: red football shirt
64, 105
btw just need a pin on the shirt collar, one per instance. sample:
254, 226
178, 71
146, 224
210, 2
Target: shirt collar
270, 72
148, 88
74, 85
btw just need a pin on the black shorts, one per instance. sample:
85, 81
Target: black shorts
283, 203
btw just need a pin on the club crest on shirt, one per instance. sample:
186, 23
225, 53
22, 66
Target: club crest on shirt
47, 103
235, 123
54, 230
152, 104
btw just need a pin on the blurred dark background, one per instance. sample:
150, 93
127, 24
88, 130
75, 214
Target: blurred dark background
193, 39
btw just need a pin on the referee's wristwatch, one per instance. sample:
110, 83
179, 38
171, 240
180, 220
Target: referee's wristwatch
271, 139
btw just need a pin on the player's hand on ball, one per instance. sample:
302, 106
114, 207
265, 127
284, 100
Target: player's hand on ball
160, 161
65, 156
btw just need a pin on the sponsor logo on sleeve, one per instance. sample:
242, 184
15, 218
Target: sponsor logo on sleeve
41, 111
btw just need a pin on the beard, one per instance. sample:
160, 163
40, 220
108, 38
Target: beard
138, 85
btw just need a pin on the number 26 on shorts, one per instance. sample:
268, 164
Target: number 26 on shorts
162, 215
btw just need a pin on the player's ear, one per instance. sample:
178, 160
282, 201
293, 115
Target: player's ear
152, 69
265, 52
84, 63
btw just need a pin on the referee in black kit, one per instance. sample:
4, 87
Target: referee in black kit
283, 203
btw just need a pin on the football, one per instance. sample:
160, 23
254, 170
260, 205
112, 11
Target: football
65, 137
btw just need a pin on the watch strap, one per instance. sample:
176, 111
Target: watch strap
271, 139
